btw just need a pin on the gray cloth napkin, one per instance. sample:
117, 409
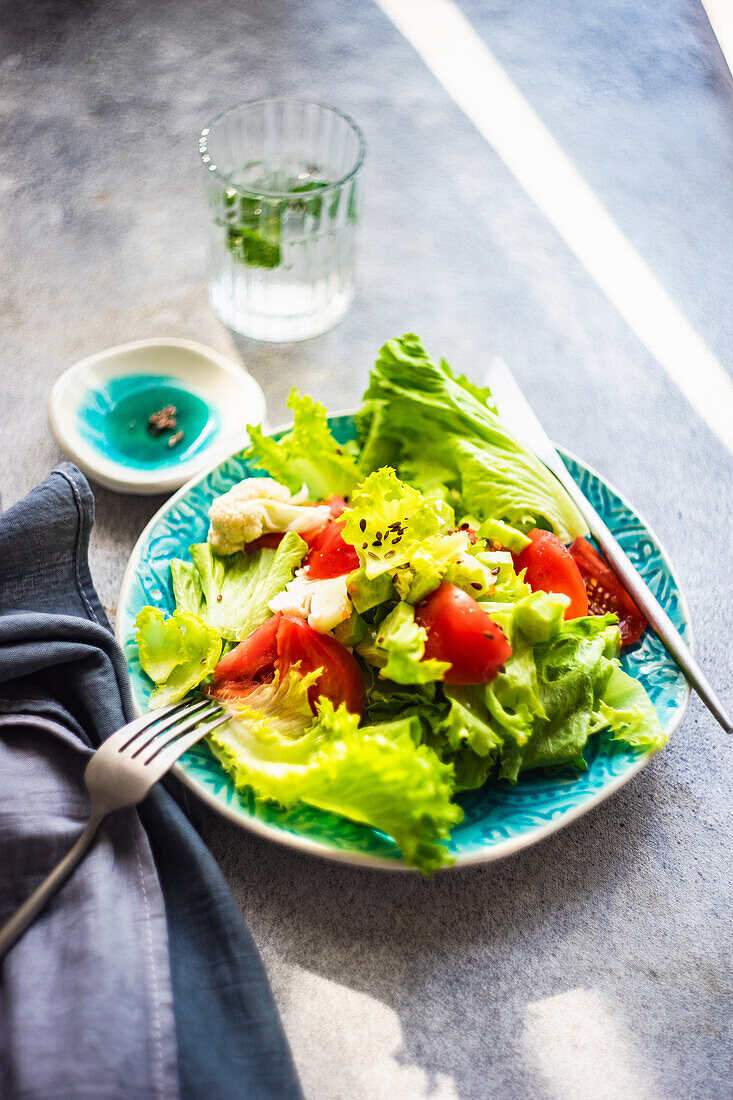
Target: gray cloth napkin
86, 1004
140, 978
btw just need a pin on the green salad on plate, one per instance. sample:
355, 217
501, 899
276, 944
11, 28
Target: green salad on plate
396, 620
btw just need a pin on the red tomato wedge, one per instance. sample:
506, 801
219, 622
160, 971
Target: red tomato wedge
340, 680
460, 631
253, 660
337, 505
550, 567
271, 541
605, 592
280, 643
329, 555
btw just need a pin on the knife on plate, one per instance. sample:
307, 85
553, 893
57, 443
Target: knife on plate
517, 414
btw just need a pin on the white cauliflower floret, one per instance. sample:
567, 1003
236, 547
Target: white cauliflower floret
258, 506
324, 603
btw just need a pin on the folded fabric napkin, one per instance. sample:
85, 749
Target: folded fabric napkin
140, 978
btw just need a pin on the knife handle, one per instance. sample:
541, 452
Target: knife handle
645, 599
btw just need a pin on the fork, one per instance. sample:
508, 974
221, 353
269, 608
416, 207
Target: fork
118, 775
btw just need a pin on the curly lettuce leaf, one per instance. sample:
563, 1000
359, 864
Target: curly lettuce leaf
441, 557
176, 653
402, 640
434, 427
237, 590
380, 775
387, 522
270, 739
541, 709
628, 713
308, 454
466, 736
572, 670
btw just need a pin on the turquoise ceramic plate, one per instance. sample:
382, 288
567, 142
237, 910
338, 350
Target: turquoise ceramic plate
499, 819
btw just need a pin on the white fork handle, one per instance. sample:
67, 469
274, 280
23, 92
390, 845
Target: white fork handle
31, 907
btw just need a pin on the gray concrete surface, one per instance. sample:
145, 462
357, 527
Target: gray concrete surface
596, 965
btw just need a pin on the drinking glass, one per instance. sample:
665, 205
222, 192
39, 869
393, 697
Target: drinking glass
284, 188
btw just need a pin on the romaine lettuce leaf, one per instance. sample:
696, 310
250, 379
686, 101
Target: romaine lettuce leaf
236, 590
176, 653
436, 428
308, 454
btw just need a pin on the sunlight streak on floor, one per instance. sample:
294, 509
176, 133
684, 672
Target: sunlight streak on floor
469, 72
329, 1024
579, 1050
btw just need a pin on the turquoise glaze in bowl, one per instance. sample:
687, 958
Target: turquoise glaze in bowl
499, 819
99, 411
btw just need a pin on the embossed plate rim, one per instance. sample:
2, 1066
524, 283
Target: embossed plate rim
503, 848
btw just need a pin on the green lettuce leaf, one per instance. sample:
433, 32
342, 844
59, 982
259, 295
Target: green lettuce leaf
402, 641
503, 537
572, 669
236, 590
466, 737
187, 590
380, 776
434, 427
368, 592
308, 454
541, 709
176, 653
387, 522
628, 712
271, 738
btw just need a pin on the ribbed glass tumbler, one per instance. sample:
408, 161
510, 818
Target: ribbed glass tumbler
283, 182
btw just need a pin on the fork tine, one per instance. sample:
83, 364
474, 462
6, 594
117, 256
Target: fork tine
171, 720
133, 729
176, 729
166, 756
